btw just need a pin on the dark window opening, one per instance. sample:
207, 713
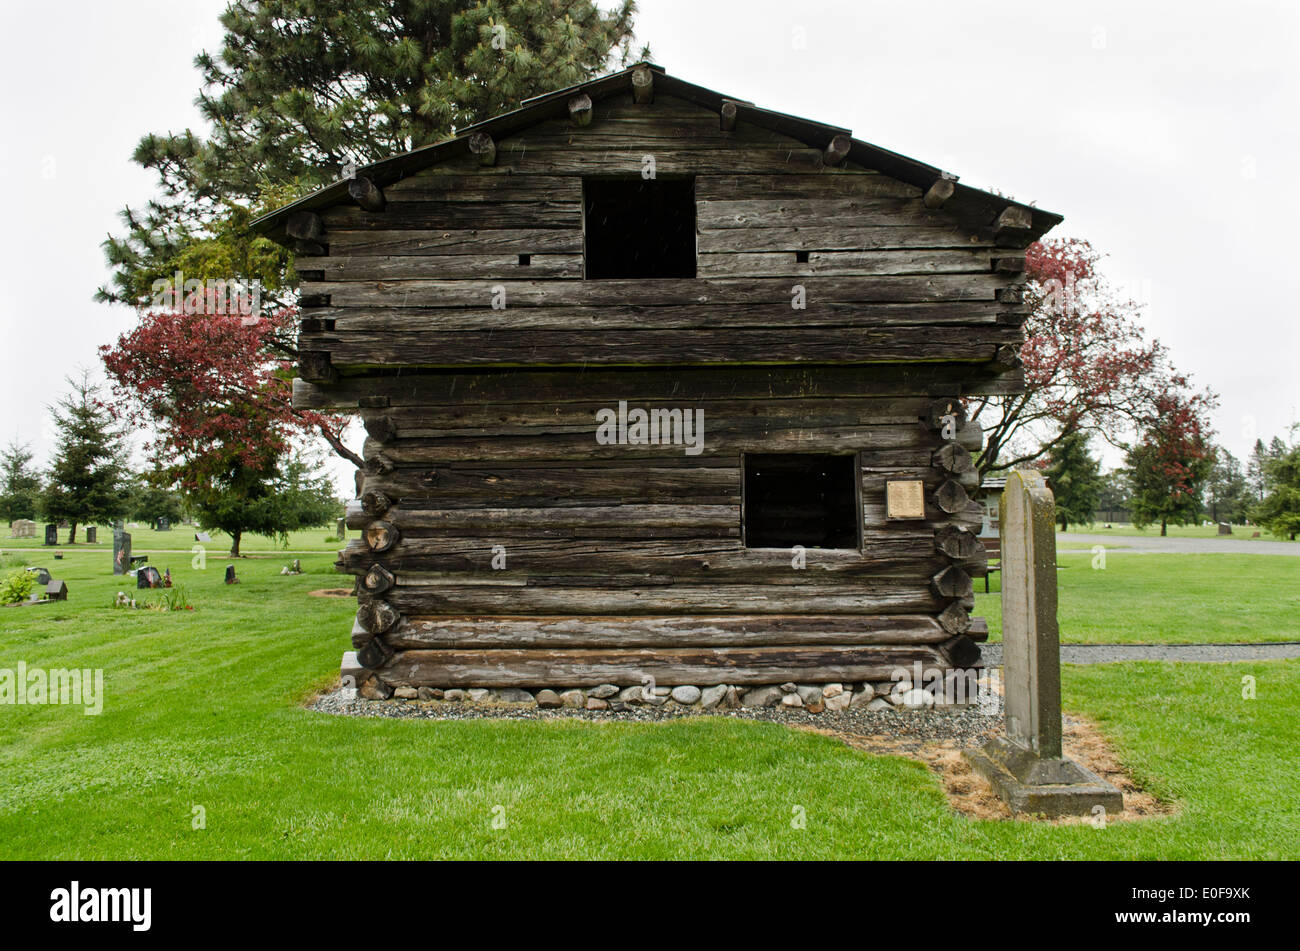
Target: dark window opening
525, 260
639, 228
801, 257
801, 500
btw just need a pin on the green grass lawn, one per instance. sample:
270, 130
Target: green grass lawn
1141, 598
180, 538
1122, 529
203, 709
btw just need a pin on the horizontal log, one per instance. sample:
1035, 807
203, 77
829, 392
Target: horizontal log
482, 185
827, 236
450, 485
580, 348
490, 241
899, 445
443, 267
721, 291
580, 415
879, 597
699, 560
426, 215
728, 187
624, 632
638, 317
602, 521
842, 263
443, 388
848, 212
626, 668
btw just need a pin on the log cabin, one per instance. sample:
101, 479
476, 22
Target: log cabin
658, 385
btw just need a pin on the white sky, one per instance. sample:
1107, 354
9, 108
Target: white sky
1166, 133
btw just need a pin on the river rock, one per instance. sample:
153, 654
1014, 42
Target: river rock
809, 694
405, 693
791, 700
454, 694
832, 690
686, 695
840, 701
548, 698
429, 693
514, 695
710, 697
572, 698
761, 697
878, 704
603, 692
479, 694
595, 703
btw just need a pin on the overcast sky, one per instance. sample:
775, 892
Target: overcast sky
1165, 133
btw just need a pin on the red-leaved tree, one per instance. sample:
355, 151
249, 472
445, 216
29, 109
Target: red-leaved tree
1087, 363
217, 396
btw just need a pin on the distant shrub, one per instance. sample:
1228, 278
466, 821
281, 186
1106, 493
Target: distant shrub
17, 586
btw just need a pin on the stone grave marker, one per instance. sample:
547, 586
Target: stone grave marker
164, 525
51, 534
148, 577
230, 575
56, 590
121, 552
202, 537
1225, 528
1026, 765
92, 535
22, 528
341, 529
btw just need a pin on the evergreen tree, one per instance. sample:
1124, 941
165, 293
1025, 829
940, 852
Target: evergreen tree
87, 480
1226, 494
1279, 512
149, 499
1075, 480
20, 483
302, 88
1255, 467
1113, 502
264, 498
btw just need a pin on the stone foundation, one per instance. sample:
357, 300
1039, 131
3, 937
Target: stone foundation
814, 698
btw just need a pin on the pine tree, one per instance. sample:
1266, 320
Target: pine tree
1279, 512
87, 480
263, 498
20, 483
1225, 490
1255, 467
1075, 479
302, 88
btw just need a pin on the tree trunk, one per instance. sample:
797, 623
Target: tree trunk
1164, 528
234, 543
72, 533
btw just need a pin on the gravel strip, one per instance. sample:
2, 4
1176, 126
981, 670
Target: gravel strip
905, 729
1187, 653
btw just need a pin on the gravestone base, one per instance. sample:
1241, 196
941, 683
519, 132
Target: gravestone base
1048, 786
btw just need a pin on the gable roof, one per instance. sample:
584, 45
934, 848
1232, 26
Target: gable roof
972, 208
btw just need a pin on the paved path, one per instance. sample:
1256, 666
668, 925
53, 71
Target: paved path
1195, 546
1193, 653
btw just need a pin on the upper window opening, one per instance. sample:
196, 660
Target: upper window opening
801, 500
639, 228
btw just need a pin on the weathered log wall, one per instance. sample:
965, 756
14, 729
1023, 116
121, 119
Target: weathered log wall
502, 545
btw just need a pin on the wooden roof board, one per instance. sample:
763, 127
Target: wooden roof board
974, 209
